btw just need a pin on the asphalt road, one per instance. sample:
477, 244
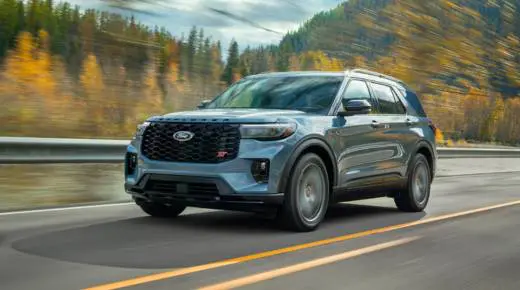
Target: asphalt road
362, 245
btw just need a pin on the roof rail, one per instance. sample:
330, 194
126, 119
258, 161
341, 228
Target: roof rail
373, 73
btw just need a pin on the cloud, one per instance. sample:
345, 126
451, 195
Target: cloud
250, 22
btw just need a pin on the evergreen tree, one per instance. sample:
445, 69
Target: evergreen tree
232, 63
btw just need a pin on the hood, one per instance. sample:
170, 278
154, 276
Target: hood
230, 115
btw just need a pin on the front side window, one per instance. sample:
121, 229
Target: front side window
357, 90
310, 94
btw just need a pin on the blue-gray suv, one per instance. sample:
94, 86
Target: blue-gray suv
291, 143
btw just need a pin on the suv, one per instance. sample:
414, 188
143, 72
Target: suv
292, 143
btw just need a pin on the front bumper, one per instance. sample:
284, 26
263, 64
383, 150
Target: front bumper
226, 185
208, 192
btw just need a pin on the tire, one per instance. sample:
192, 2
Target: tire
416, 195
307, 196
161, 210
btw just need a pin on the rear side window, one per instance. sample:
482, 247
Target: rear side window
413, 100
388, 101
400, 106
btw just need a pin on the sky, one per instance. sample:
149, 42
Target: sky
263, 21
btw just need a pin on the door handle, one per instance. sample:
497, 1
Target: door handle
410, 122
376, 124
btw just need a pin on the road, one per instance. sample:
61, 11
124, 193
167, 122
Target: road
362, 245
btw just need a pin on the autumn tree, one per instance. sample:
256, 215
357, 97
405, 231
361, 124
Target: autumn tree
462, 57
152, 100
318, 60
94, 87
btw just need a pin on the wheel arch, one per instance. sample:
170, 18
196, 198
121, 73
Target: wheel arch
427, 150
311, 144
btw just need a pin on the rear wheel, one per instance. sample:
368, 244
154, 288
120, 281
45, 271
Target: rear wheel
161, 210
307, 196
416, 195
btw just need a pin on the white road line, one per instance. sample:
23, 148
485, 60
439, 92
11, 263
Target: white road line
65, 208
278, 272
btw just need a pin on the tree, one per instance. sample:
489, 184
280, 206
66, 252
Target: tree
318, 60
45, 81
94, 87
152, 101
231, 72
191, 51
9, 24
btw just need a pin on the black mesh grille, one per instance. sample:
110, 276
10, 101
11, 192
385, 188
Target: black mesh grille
211, 143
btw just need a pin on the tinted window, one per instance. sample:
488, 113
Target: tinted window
386, 99
358, 90
311, 94
400, 107
413, 100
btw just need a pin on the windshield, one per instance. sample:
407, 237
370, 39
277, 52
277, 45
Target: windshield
311, 94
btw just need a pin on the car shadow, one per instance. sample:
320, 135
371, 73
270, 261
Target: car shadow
152, 243
240, 222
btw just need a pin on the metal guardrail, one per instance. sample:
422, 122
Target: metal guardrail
20, 150
475, 152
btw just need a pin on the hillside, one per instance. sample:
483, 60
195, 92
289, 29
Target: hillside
462, 56
68, 72
340, 32
461, 35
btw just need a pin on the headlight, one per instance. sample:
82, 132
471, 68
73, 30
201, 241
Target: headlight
267, 131
141, 128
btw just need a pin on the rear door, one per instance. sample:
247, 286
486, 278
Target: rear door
393, 137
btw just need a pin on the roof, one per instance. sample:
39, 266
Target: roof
368, 74
298, 73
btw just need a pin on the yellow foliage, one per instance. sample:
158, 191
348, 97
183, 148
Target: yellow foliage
294, 63
20, 65
91, 75
359, 62
173, 72
44, 39
318, 60
29, 84
152, 101
92, 80
45, 81
439, 136
28, 72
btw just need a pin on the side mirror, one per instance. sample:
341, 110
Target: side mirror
203, 104
355, 107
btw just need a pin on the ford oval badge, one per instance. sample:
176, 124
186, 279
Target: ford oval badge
183, 136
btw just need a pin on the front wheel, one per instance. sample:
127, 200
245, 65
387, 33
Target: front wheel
161, 210
307, 196
416, 195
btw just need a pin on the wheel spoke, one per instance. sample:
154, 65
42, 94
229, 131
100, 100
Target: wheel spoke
420, 183
311, 190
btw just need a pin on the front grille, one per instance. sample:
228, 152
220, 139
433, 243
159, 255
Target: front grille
174, 187
211, 143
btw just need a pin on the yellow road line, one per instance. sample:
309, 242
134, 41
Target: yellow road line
209, 266
268, 275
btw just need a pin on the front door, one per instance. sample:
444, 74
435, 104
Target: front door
357, 140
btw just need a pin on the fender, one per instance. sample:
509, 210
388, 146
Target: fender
300, 147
